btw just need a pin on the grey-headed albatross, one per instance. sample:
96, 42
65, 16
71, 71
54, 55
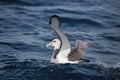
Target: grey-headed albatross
62, 49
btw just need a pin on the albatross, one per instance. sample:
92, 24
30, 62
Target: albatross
62, 49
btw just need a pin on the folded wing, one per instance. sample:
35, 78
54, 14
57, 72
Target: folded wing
78, 53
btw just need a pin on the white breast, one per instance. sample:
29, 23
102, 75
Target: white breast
62, 58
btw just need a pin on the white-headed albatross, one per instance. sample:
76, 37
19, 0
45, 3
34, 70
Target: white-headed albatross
62, 49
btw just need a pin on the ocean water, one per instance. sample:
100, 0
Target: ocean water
24, 31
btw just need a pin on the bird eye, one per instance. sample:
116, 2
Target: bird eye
54, 41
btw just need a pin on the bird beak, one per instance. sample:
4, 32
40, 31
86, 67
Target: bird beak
48, 45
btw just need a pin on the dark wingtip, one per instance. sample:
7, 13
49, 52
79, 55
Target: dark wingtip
54, 16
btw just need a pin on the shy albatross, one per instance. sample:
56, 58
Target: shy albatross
62, 49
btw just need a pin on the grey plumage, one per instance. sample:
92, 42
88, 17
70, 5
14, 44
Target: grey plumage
73, 55
78, 53
56, 24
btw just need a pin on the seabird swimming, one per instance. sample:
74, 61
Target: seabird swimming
62, 49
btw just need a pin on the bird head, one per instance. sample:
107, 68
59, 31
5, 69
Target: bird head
56, 43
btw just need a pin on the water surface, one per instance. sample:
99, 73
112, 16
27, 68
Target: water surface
24, 31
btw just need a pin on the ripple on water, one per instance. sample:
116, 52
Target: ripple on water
24, 29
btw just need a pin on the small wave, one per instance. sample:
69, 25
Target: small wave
83, 70
112, 37
107, 52
15, 65
1, 19
106, 68
28, 2
100, 68
12, 1
117, 26
106, 65
22, 2
21, 46
34, 70
81, 21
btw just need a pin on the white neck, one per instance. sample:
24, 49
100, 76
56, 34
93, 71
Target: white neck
57, 46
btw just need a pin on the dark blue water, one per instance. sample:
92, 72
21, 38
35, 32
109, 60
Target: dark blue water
24, 31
